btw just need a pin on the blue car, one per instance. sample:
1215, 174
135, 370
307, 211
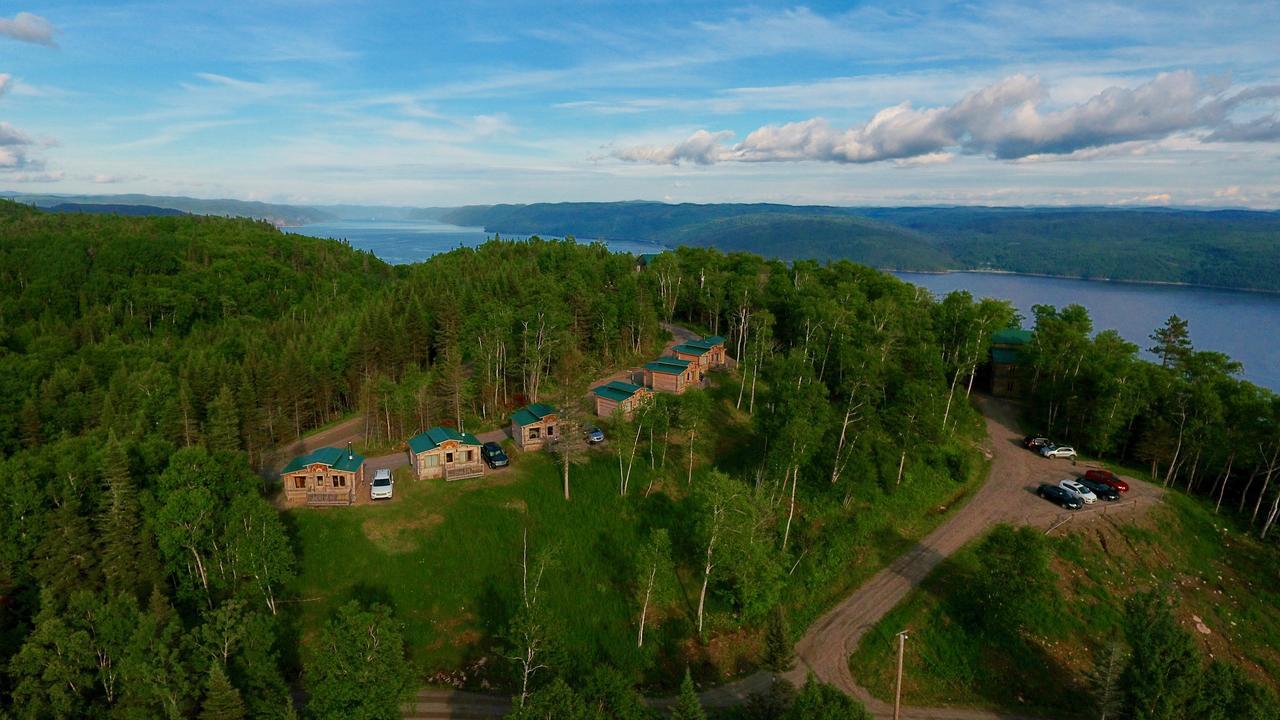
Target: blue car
493, 455
594, 435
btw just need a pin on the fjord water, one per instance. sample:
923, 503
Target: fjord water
1244, 325
400, 242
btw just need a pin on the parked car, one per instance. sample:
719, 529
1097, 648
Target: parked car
493, 455
1106, 477
1084, 494
382, 485
1035, 442
594, 435
1102, 490
1058, 451
1058, 496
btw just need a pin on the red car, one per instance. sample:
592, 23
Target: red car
1106, 477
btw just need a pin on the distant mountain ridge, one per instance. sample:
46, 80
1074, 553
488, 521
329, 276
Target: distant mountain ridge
285, 215
1220, 248
115, 209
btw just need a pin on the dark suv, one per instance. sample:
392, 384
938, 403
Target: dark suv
1035, 442
493, 455
1101, 489
1059, 496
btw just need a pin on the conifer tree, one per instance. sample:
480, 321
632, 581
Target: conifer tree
223, 429
778, 654
221, 698
119, 521
688, 707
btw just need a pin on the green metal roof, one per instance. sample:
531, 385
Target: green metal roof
431, 438
336, 458
532, 413
692, 348
668, 365
1011, 336
1005, 356
617, 390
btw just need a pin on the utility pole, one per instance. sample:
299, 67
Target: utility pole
897, 697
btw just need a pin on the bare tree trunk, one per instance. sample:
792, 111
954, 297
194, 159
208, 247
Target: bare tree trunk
1266, 480
1257, 470
786, 535
1177, 450
1271, 516
706, 574
955, 377
1226, 475
691, 436
902, 463
644, 608
565, 462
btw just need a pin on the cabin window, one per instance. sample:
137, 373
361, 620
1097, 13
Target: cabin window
535, 433
430, 461
551, 430
339, 481
300, 482
466, 456
448, 457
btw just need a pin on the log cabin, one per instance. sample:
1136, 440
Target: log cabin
709, 351
1006, 360
534, 425
327, 476
670, 374
441, 452
615, 395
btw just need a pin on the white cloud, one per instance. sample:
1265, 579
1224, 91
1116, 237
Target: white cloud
700, 148
1007, 120
28, 28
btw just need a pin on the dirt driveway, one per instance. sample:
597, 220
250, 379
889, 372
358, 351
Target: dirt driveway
1008, 496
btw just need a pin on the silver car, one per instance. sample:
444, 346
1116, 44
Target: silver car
382, 485
1061, 451
1081, 493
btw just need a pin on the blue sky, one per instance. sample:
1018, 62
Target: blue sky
438, 103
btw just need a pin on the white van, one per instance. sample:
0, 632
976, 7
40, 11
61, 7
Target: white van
382, 485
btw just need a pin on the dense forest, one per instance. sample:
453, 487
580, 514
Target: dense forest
1221, 248
1187, 419
150, 366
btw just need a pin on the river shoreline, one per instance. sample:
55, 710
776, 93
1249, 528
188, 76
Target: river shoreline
1084, 278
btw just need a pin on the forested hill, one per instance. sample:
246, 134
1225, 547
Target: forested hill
1220, 248
273, 213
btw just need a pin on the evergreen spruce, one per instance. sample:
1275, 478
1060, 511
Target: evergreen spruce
119, 522
221, 698
224, 423
688, 707
778, 653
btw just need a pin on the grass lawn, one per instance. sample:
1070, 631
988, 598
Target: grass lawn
1226, 581
446, 558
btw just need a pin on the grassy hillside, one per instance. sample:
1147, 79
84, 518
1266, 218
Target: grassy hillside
445, 556
1226, 583
1222, 248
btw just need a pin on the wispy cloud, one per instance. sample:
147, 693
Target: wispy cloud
17, 148
27, 27
1007, 120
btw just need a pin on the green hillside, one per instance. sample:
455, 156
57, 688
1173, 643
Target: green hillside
1220, 248
816, 237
